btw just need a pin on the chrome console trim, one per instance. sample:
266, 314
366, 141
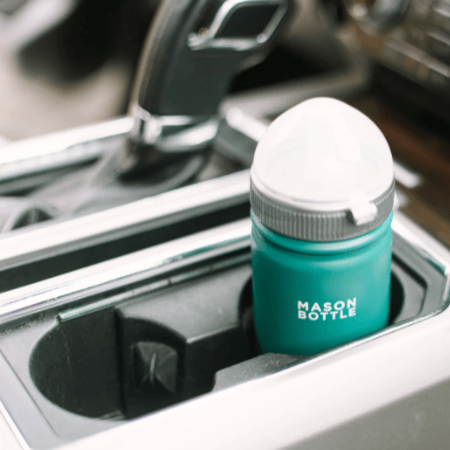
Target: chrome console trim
20, 441
173, 134
60, 150
161, 260
22, 247
170, 280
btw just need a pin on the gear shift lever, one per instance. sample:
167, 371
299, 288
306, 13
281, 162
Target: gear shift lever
193, 50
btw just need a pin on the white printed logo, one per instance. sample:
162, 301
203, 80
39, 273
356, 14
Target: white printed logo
332, 311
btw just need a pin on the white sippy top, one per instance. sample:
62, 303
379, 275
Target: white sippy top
322, 172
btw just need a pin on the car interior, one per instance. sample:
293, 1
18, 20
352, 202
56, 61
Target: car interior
127, 135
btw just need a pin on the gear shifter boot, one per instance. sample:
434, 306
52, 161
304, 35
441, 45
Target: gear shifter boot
99, 187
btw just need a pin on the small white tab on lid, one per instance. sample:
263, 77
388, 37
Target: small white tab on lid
362, 211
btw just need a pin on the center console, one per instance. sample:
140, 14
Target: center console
132, 326
171, 327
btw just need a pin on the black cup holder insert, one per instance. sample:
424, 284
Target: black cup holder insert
90, 371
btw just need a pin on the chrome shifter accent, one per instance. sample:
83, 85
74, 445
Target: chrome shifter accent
211, 37
380, 14
173, 134
179, 86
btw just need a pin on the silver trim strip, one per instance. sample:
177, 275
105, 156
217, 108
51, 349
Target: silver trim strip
163, 258
153, 287
21, 247
126, 270
423, 243
407, 177
173, 134
246, 124
14, 429
60, 150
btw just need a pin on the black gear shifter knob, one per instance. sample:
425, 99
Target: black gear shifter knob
194, 49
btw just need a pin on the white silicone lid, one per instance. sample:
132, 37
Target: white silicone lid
324, 156
321, 154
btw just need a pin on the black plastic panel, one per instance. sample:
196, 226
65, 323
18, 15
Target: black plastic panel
200, 321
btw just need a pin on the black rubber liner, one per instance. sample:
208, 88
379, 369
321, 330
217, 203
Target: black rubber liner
70, 375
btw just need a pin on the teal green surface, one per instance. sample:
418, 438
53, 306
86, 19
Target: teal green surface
311, 296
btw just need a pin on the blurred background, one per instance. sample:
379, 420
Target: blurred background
66, 63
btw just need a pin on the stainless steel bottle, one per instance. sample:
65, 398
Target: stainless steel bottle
322, 191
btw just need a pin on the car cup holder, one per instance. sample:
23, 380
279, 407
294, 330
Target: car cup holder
79, 369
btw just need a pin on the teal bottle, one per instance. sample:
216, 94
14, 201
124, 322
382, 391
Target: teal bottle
322, 190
